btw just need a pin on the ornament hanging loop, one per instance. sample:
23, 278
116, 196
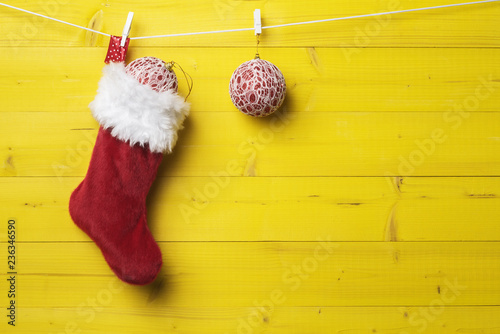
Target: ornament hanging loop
257, 56
170, 66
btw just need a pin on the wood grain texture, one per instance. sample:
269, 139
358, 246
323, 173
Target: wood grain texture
281, 320
287, 144
227, 274
278, 209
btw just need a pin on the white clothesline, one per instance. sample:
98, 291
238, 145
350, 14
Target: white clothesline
263, 27
54, 19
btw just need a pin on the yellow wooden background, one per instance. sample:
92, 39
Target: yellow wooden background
368, 204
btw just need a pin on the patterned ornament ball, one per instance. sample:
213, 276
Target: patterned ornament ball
154, 73
257, 88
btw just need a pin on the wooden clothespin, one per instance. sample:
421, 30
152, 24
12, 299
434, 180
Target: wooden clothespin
126, 28
257, 22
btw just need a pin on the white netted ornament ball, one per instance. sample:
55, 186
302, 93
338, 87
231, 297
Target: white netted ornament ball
257, 88
153, 72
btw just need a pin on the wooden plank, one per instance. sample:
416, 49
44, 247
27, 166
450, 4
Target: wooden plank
227, 274
318, 79
469, 26
273, 319
277, 209
292, 144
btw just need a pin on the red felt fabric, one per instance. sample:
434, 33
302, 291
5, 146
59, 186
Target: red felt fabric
110, 206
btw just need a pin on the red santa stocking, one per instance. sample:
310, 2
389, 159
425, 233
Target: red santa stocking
138, 123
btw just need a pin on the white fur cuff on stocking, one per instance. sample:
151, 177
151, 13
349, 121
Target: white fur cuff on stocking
136, 113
